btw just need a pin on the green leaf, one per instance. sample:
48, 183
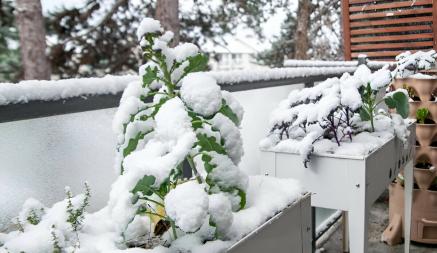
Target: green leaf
133, 143
145, 185
242, 195
227, 111
399, 101
196, 63
209, 143
207, 165
150, 76
364, 114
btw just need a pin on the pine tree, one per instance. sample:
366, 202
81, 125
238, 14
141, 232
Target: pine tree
10, 69
283, 46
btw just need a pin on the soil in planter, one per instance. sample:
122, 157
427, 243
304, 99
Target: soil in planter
415, 98
428, 122
423, 165
433, 187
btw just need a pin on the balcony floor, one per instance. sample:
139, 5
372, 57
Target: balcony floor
378, 222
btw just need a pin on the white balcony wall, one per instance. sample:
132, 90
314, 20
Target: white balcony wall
39, 157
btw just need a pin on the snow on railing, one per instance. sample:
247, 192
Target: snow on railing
25, 91
261, 74
319, 63
33, 90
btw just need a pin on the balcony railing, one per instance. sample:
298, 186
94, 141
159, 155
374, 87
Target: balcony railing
53, 135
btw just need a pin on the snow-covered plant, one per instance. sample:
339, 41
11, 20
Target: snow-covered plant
31, 214
421, 115
340, 108
172, 116
76, 215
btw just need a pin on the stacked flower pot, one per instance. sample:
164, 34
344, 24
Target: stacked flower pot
423, 107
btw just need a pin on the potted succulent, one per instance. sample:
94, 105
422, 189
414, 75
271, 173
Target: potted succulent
174, 114
345, 141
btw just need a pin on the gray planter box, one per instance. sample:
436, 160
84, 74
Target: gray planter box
350, 183
289, 231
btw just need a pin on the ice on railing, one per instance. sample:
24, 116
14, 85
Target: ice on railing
262, 74
25, 91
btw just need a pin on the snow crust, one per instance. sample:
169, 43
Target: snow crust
266, 196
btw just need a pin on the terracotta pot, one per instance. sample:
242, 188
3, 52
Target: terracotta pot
423, 87
424, 216
424, 177
432, 107
433, 156
425, 133
414, 105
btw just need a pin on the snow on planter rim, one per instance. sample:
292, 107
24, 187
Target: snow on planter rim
266, 196
31, 90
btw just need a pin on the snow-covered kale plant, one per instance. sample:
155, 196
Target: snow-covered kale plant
344, 115
176, 115
173, 115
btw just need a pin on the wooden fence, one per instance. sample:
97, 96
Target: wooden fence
382, 29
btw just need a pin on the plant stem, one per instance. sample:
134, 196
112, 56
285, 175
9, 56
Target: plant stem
173, 229
152, 213
153, 201
193, 167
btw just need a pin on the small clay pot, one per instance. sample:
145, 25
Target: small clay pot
424, 177
425, 133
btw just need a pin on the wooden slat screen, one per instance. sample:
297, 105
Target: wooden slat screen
382, 29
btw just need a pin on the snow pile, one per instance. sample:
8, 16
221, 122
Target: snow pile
201, 93
25, 91
187, 205
266, 196
148, 25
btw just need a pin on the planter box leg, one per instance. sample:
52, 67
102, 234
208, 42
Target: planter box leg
358, 224
408, 179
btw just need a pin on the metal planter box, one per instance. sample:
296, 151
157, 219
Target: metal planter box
289, 231
350, 183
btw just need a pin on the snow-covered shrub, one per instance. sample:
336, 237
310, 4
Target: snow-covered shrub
340, 108
171, 116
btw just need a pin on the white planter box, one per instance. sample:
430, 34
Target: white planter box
349, 183
289, 231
